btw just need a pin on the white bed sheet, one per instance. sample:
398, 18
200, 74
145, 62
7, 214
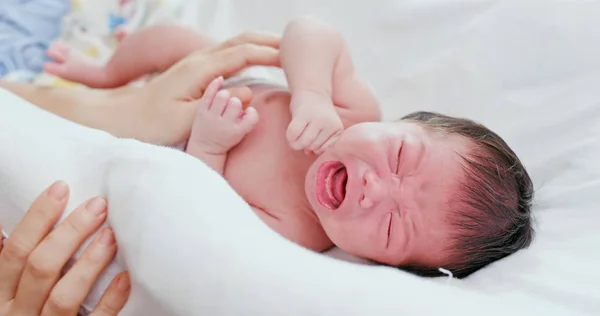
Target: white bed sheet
529, 69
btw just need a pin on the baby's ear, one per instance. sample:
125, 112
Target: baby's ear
243, 93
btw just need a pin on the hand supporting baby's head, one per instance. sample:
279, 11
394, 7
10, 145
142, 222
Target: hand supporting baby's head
425, 192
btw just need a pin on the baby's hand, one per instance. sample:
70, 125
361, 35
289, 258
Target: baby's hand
221, 122
315, 124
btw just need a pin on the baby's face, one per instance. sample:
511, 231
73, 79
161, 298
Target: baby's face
382, 191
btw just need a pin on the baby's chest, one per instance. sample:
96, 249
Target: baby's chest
263, 169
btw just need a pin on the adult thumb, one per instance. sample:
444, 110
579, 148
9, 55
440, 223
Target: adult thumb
243, 93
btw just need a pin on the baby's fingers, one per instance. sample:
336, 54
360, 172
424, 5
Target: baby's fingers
327, 143
210, 93
249, 120
309, 135
320, 140
233, 111
295, 130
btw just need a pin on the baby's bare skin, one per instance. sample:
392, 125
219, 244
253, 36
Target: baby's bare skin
268, 167
255, 157
270, 175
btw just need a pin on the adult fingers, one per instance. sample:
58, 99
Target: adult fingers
230, 61
233, 59
256, 38
43, 213
187, 79
115, 296
46, 262
70, 292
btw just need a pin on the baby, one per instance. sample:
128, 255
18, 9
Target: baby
316, 164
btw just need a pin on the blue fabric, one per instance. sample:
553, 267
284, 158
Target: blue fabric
27, 27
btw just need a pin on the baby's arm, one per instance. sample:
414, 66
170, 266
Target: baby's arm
320, 73
220, 124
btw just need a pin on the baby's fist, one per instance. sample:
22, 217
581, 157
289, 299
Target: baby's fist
315, 125
221, 122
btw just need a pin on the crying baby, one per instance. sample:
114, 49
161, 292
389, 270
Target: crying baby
318, 166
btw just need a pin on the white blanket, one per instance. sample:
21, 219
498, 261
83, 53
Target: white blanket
192, 246
527, 68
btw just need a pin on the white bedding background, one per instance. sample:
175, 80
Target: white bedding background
530, 69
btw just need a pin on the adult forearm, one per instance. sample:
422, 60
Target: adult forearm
92, 108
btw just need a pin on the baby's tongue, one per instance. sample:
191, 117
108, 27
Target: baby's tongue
339, 186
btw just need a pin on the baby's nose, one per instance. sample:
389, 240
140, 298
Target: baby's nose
374, 190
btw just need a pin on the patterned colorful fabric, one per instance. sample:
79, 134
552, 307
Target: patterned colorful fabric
89, 28
27, 27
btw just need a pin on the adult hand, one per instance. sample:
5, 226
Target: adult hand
164, 110
32, 258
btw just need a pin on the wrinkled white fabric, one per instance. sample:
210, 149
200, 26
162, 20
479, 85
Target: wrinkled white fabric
191, 244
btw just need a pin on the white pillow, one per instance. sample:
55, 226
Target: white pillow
191, 244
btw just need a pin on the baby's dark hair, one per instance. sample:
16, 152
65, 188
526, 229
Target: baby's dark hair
490, 217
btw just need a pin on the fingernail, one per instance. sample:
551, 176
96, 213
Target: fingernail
107, 237
96, 205
123, 282
225, 94
58, 190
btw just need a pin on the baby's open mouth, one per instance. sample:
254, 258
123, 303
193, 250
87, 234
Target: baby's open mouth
331, 184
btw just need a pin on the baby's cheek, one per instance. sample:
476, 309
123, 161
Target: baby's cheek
358, 140
335, 229
355, 136
350, 234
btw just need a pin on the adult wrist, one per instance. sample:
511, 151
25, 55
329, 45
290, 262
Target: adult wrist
107, 110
